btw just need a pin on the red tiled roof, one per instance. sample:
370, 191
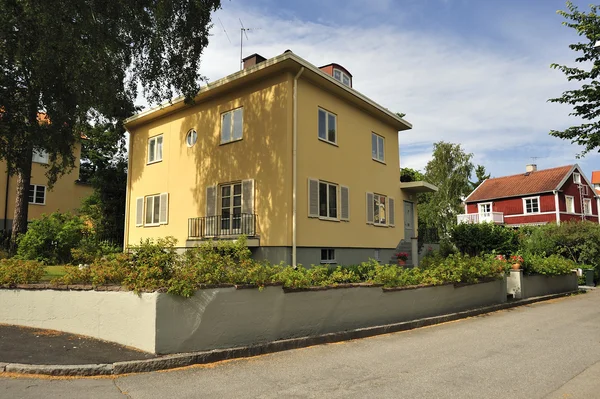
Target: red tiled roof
522, 184
596, 177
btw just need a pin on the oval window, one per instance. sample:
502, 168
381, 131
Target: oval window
191, 137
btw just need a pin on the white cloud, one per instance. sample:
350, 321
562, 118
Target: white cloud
490, 98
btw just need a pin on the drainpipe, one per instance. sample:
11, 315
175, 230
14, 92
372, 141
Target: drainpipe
556, 207
6, 197
295, 165
127, 193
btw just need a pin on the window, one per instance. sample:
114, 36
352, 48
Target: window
155, 149
232, 125
485, 207
328, 200
40, 156
531, 205
377, 255
342, 77
576, 178
231, 208
377, 147
327, 126
37, 194
379, 208
156, 209
328, 255
587, 206
570, 202
191, 137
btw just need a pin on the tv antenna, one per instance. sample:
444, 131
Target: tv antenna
533, 159
224, 30
243, 33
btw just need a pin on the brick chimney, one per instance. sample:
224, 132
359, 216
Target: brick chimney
531, 168
252, 60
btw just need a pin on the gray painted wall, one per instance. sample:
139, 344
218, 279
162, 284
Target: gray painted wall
312, 256
538, 285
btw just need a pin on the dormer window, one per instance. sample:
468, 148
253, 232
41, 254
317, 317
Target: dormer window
342, 77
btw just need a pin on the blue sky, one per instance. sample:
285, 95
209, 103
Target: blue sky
474, 72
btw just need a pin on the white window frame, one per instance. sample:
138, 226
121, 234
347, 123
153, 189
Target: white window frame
576, 178
342, 76
153, 158
337, 200
525, 212
481, 205
232, 124
327, 114
378, 197
377, 255
379, 139
587, 210
40, 156
572, 198
191, 137
153, 197
328, 259
35, 194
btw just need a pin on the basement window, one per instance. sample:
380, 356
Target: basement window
327, 255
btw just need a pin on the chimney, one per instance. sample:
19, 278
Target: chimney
252, 60
531, 168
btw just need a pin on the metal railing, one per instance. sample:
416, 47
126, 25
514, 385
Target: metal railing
486, 217
222, 226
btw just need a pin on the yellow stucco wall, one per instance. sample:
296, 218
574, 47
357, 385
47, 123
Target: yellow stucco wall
350, 164
66, 195
264, 154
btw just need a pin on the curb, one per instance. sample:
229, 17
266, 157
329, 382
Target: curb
205, 357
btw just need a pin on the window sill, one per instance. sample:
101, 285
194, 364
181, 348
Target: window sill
328, 262
231, 141
41, 163
34, 203
151, 224
378, 161
329, 219
328, 142
379, 225
157, 161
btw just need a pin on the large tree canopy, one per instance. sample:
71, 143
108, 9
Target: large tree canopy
586, 99
81, 61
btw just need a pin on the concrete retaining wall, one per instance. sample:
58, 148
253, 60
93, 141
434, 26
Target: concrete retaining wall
528, 286
121, 317
229, 317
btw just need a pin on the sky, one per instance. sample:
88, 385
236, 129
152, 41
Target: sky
472, 72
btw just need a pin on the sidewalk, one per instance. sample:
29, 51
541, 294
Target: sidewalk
36, 346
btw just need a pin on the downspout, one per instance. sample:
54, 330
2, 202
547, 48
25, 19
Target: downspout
556, 207
6, 197
127, 194
295, 165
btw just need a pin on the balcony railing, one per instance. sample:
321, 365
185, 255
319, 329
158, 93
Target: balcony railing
222, 226
486, 217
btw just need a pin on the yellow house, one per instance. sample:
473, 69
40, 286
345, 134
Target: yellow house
283, 152
66, 195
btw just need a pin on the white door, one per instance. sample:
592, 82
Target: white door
231, 209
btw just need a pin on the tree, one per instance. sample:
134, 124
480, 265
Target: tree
586, 99
449, 169
80, 62
408, 175
480, 175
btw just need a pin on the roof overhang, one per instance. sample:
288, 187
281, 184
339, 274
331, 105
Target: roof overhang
415, 187
287, 61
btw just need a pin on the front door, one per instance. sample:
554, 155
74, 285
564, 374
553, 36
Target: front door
231, 209
409, 220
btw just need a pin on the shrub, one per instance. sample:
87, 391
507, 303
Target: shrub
90, 249
152, 264
553, 265
50, 238
484, 238
16, 271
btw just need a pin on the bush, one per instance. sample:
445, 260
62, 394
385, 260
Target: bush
90, 249
484, 238
553, 265
16, 271
50, 238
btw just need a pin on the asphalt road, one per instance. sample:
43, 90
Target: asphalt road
546, 350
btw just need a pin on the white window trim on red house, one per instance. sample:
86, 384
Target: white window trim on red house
537, 198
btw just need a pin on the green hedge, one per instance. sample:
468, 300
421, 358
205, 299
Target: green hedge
16, 271
484, 238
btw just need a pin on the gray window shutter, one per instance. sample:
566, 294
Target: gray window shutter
391, 212
211, 200
370, 214
139, 211
248, 196
345, 203
164, 208
313, 198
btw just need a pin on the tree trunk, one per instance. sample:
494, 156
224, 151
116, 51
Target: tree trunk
23, 173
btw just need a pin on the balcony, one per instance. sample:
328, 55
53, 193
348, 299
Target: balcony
222, 226
486, 217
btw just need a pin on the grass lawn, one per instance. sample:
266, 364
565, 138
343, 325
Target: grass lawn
53, 272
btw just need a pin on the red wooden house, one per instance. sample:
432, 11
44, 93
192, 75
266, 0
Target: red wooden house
534, 197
